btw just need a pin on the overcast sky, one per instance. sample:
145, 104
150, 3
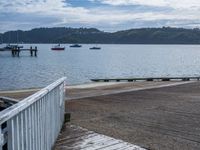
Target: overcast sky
107, 15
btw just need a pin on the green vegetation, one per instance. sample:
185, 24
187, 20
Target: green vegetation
165, 35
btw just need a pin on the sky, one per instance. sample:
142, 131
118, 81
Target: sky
106, 15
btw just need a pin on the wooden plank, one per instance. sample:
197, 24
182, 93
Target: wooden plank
76, 139
75, 136
90, 141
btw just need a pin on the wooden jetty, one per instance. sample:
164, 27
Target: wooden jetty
15, 51
146, 79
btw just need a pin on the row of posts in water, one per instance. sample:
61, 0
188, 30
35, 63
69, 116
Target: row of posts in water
16, 51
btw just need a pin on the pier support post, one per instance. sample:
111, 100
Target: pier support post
35, 51
18, 50
31, 51
13, 53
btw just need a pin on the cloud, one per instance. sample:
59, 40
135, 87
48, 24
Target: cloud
132, 2
159, 3
106, 14
37, 13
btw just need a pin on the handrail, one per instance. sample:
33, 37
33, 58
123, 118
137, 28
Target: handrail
13, 110
35, 122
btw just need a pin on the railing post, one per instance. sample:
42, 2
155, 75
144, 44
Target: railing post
10, 134
1, 139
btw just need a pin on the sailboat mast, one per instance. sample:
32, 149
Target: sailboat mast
9, 38
2, 38
17, 37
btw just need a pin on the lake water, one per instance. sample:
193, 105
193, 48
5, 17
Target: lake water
79, 65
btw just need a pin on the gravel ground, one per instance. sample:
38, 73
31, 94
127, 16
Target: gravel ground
158, 119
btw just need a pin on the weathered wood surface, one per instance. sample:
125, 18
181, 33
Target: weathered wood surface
77, 138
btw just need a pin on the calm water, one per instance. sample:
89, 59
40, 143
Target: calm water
79, 65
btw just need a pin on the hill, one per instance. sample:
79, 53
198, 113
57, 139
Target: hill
165, 35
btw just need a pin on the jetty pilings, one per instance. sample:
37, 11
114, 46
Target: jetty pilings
33, 52
15, 51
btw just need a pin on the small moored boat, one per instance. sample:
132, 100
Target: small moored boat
75, 45
95, 48
58, 47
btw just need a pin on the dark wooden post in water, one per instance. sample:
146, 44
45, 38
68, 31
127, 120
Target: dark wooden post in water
15, 51
18, 50
31, 51
35, 51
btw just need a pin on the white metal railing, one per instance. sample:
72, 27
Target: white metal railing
35, 122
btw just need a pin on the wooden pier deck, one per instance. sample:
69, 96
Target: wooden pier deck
145, 79
77, 138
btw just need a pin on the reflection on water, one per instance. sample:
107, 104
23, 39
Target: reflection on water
79, 65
